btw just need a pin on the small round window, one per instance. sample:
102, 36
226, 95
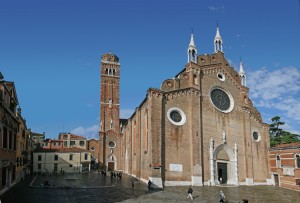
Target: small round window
221, 76
93, 148
112, 144
256, 136
176, 116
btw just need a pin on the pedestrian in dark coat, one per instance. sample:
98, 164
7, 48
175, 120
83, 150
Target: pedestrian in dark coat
190, 193
149, 184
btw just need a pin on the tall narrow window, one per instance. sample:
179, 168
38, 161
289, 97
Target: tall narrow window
145, 131
195, 79
15, 140
71, 157
278, 161
85, 156
4, 137
10, 140
13, 173
39, 157
55, 157
4, 176
111, 123
134, 137
298, 161
81, 143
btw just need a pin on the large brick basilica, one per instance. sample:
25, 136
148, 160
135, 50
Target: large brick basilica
198, 128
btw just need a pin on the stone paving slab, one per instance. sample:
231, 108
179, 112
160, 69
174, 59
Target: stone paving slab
206, 194
91, 187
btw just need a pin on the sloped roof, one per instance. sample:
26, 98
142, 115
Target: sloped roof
72, 136
295, 145
63, 150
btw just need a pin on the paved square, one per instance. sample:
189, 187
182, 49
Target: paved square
93, 187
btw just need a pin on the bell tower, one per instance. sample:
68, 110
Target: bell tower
192, 51
218, 42
109, 104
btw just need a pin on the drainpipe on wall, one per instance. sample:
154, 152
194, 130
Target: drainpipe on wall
201, 130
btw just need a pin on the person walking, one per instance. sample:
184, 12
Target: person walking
149, 184
222, 196
190, 193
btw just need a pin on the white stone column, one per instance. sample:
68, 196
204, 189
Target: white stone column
236, 177
211, 160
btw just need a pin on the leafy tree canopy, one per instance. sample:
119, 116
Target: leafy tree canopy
279, 136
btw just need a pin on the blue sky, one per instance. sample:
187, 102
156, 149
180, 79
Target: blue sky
52, 50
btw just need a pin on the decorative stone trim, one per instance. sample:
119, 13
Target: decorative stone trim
177, 110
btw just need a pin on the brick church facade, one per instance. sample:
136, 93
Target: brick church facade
198, 128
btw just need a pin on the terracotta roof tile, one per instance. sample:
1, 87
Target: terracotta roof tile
63, 150
287, 146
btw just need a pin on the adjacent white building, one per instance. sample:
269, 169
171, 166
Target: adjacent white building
67, 160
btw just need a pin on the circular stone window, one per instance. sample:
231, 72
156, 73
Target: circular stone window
112, 144
221, 76
176, 116
256, 136
221, 100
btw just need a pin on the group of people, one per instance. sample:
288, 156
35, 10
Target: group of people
190, 194
112, 173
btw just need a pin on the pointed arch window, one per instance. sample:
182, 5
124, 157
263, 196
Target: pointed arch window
145, 131
278, 161
111, 124
110, 71
134, 137
195, 79
192, 55
110, 103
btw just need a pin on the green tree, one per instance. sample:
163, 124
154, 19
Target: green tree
279, 136
275, 130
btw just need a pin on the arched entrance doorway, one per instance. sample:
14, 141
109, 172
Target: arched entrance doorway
111, 162
224, 165
222, 161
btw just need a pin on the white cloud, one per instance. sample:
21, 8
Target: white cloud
278, 89
216, 8
89, 132
212, 8
89, 105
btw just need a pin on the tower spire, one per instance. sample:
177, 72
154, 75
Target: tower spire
192, 50
218, 42
242, 73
